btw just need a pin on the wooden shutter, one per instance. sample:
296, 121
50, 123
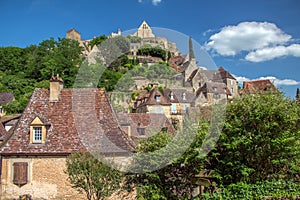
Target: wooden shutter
20, 173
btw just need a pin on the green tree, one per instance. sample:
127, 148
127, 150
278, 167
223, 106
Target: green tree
89, 175
175, 180
97, 40
259, 141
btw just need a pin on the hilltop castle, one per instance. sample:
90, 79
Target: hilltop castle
144, 32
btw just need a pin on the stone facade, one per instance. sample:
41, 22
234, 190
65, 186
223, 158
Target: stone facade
144, 31
46, 179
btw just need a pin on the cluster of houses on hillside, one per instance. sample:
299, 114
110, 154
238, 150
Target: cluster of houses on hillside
59, 121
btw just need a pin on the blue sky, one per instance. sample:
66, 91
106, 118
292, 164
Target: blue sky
252, 39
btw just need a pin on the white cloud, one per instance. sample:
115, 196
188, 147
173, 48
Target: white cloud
277, 81
270, 53
274, 80
156, 2
246, 36
207, 32
262, 41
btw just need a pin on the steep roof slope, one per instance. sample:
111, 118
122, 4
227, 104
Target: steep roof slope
6, 97
69, 127
258, 86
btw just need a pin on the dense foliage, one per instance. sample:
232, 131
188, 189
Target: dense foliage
256, 156
23, 69
97, 40
89, 175
259, 141
148, 50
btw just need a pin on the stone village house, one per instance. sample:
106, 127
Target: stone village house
54, 124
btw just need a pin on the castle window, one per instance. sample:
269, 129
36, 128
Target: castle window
20, 173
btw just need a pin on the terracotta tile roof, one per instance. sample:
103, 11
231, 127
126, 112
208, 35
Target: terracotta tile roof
152, 122
258, 86
80, 116
6, 97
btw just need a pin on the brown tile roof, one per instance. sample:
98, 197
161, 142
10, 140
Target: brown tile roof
6, 97
225, 74
150, 98
152, 122
2, 131
8, 118
81, 118
258, 86
72, 29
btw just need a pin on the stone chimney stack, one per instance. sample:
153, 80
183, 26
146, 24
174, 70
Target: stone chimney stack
56, 85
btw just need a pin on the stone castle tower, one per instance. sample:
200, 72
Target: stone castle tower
73, 34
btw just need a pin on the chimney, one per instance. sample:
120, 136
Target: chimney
56, 85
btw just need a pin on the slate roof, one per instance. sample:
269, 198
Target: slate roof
214, 87
152, 122
6, 97
80, 119
258, 86
178, 95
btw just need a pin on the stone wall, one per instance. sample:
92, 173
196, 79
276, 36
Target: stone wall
46, 179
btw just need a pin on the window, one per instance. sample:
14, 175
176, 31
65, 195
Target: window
173, 109
159, 110
184, 96
20, 173
1, 109
37, 134
216, 96
157, 97
171, 96
38, 131
231, 90
141, 131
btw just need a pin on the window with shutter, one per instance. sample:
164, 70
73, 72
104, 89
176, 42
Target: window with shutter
20, 173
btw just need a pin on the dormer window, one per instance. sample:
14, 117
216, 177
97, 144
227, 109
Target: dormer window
184, 96
37, 135
157, 98
171, 96
37, 131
